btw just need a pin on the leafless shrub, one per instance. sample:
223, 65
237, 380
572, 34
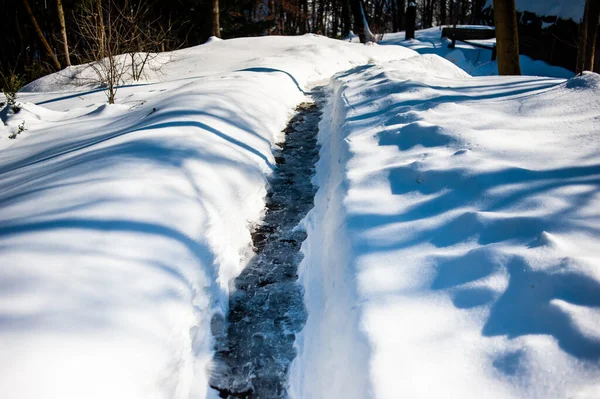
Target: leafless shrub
119, 40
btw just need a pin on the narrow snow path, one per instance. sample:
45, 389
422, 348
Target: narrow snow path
267, 308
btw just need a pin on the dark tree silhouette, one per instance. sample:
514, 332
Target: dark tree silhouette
588, 30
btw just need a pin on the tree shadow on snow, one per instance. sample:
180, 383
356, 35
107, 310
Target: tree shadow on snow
536, 301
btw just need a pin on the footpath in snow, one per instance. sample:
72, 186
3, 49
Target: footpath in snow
267, 309
453, 248
122, 227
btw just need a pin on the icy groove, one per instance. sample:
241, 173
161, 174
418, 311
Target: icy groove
267, 308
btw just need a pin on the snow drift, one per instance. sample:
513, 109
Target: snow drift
452, 250
121, 226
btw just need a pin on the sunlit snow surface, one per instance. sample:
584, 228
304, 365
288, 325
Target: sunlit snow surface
122, 226
452, 251
453, 248
476, 61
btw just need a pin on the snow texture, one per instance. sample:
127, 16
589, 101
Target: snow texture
474, 60
122, 226
453, 248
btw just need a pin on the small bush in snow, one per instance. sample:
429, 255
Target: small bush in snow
20, 129
12, 83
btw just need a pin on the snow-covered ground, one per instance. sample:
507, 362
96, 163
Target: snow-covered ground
452, 250
121, 226
474, 60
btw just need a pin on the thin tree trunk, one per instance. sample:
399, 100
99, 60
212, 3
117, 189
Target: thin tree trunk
312, 27
366, 29
443, 12
507, 38
63, 31
582, 42
216, 26
346, 23
476, 11
101, 28
41, 36
320, 16
411, 15
431, 8
359, 26
587, 44
304, 17
335, 18
401, 14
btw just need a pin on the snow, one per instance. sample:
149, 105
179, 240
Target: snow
121, 226
474, 60
565, 9
452, 250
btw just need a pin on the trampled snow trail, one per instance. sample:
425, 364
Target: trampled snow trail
267, 307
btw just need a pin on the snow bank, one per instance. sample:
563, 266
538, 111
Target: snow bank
452, 250
474, 60
121, 226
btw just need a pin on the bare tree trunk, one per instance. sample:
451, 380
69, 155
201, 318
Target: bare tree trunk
411, 15
476, 11
588, 30
319, 20
582, 42
507, 38
442, 12
369, 37
359, 26
346, 23
592, 32
216, 26
401, 14
335, 18
41, 36
101, 28
63, 31
304, 17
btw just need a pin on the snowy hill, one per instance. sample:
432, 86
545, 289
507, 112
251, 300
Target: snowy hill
121, 226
